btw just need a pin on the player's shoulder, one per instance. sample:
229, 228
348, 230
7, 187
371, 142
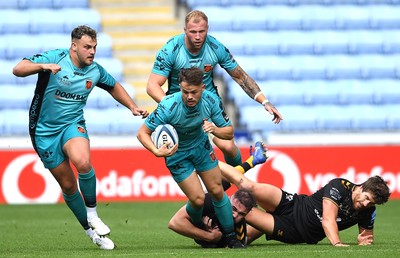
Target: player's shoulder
175, 41
342, 182
170, 102
210, 97
56, 54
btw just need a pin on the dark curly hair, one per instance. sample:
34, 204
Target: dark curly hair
378, 188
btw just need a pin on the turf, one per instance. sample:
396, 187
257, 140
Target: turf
140, 230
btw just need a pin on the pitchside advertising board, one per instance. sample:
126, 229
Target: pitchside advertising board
134, 174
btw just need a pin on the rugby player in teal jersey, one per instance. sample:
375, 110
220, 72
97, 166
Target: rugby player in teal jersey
57, 126
188, 112
196, 48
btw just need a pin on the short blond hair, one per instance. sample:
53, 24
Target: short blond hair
196, 16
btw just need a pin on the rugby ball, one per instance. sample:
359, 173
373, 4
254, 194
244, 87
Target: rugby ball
164, 133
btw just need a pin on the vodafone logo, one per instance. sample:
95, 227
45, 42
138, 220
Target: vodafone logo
49, 190
278, 166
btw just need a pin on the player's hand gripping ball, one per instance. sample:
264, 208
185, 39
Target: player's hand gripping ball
164, 133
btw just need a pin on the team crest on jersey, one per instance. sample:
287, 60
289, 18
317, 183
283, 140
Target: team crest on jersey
207, 68
213, 156
89, 84
81, 129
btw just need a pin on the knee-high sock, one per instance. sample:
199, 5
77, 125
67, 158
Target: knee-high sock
87, 185
77, 206
195, 214
223, 210
245, 166
237, 160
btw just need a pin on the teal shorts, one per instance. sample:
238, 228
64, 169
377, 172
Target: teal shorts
49, 148
183, 163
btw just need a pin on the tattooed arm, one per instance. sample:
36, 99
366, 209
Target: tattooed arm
253, 91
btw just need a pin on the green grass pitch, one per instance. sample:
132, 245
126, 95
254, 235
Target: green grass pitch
140, 230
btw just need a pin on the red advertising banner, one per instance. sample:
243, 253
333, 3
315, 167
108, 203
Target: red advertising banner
135, 174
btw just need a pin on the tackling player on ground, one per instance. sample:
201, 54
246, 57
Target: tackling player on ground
297, 218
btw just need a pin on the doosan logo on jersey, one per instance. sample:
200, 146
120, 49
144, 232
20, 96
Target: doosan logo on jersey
67, 95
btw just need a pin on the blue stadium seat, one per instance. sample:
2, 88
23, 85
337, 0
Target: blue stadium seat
352, 17
25, 4
123, 122
365, 42
6, 75
220, 19
15, 122
278, 17
105, 100
256, 119
391, 41
379, 66
70, 4
385, 91
293, 42
113, 66
63, 40
17, 47
16, 96
14, 21
305, 67
385, 16
97, 121
343, 67
8, 4
317, 17
368, 118
234, 42
112, 121
3, 47
80, 16
41, 20
332, 118
393, 117
46, 20
356, 92
284, 92
322, 92
298, 118
330, 42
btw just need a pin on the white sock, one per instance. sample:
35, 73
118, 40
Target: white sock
89, 232
91, 212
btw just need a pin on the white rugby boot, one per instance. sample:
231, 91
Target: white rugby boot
98, 225
102, 242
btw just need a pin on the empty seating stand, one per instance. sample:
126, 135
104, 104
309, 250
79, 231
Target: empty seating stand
29, 27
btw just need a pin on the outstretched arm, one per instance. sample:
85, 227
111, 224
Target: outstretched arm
253, 91
26, 68
180, 223
120, 94
329, 214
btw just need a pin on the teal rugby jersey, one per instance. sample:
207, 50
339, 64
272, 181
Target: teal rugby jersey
59, 98
174, 56
188, 121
